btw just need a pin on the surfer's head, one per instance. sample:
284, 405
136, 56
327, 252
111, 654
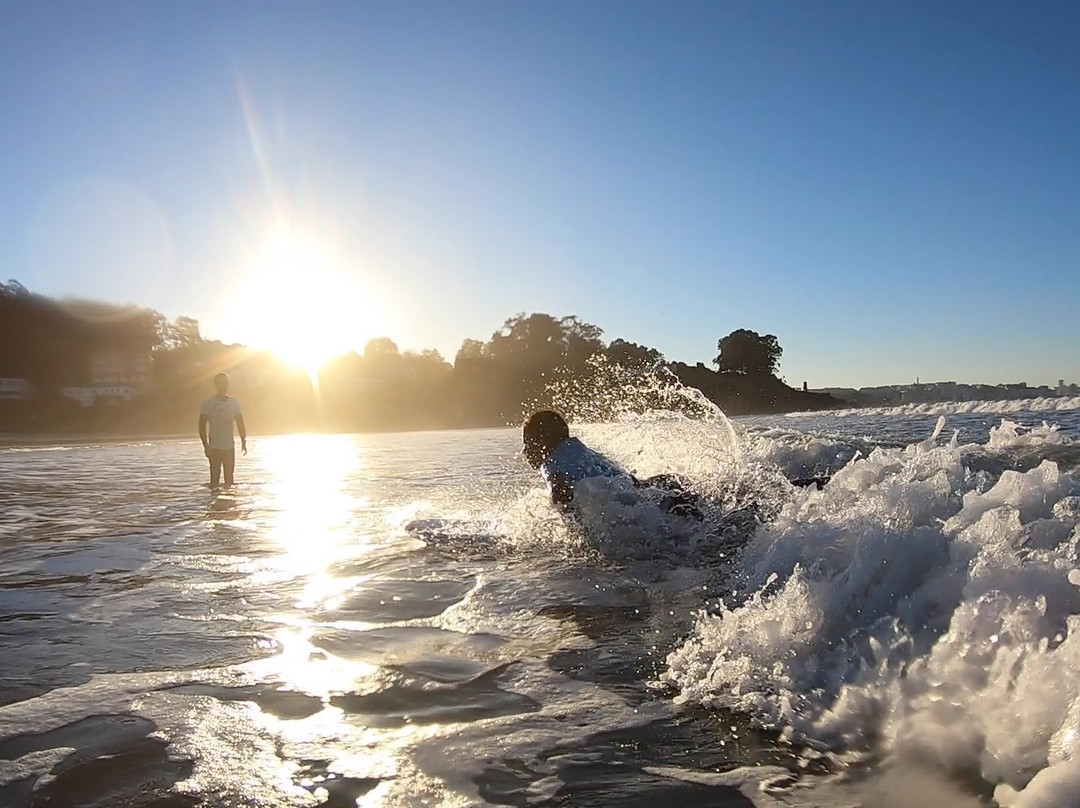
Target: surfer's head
221, 383
542, 432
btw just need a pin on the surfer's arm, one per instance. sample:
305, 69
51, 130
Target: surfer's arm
562, 490
243, 432
204, 419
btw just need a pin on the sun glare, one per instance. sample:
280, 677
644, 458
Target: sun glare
299, 303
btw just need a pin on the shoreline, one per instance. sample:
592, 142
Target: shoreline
16, 440
19, 440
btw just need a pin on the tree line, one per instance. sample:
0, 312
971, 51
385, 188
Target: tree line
532, 360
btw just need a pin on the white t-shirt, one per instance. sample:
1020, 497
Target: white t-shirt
222, 415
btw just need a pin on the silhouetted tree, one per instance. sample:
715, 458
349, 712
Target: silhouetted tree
50, 342
182, 332
582, 341
528, 354
427, 365
471, 350
381, 348
748, 353
540, 341
631, 355
534, 341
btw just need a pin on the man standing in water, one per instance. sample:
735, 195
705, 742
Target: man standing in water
218, 412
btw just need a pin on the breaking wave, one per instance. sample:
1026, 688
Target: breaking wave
923, 605
1045, 404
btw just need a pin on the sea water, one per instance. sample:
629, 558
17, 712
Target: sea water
906, 635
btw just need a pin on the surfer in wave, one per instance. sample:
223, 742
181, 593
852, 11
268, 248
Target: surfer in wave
564, 461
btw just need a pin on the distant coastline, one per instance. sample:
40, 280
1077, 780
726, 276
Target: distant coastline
293, 408
896, 395
98, 369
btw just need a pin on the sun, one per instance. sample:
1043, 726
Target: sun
299, 303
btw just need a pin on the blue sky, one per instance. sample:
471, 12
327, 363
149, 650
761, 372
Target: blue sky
890, 188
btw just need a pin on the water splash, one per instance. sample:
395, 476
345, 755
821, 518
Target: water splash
608, 391
914, 607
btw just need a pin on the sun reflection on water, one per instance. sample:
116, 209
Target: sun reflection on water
304, 667
318, 529
309, 513
309, 506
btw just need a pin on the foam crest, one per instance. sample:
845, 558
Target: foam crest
667, 442
914, 607
1042, 404
1010, 435
800, 454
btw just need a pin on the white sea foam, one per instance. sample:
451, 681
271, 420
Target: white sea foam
1042, 404
914, 607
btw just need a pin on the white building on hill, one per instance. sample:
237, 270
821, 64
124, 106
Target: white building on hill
16, 390
88, 395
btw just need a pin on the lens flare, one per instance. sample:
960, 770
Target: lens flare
301, 303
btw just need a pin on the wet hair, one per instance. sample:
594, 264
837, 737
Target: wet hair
542, 432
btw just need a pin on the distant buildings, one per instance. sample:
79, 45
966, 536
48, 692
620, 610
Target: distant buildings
16, 390
89, 395
115, 367
114, 376
934, 392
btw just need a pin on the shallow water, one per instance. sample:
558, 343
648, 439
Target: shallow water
292, 642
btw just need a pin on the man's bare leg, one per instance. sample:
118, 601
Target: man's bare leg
228, 462
215, 470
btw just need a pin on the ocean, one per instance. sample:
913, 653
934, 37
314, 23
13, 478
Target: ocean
403, 619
